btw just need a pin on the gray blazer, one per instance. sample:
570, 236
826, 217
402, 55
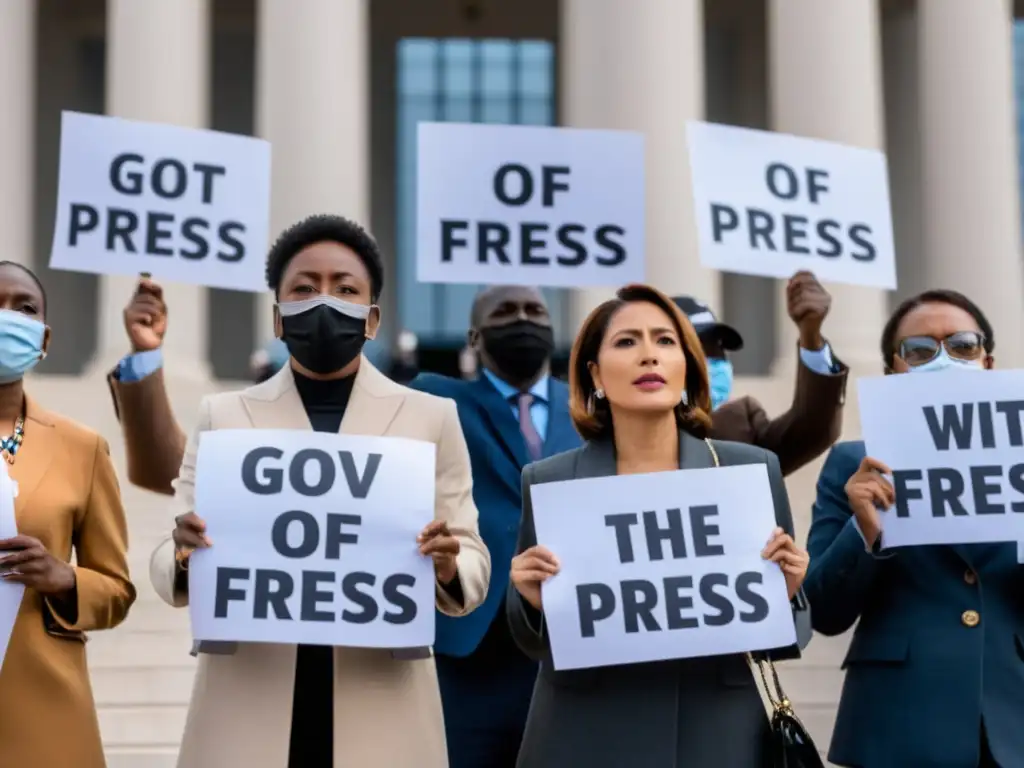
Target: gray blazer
697, 713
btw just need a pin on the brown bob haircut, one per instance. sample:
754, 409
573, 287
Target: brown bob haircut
592, 417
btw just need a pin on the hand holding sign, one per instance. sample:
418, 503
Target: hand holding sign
190, 533
32, 565
868, 491
145, 317
792, 560
808, 304
437, 542
530, 569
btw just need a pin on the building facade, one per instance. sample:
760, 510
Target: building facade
337, 86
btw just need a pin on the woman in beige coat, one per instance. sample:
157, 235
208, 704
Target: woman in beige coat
258, 705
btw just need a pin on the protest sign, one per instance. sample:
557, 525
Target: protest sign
10, 593
661, 566
528, 205
179, 203
771, 204
955, 444
314, 539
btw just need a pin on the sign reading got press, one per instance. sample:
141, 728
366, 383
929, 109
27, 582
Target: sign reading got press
183, 204
661, 566
528, 205
314, 539
771, 204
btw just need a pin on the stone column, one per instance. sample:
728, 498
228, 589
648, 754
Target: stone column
158, 70
825, 80
640, 66
970, 193
312, 104
18, 129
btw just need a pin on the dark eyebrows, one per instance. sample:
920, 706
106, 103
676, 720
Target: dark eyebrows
637, 333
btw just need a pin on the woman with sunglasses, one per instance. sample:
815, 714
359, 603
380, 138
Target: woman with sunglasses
935, 669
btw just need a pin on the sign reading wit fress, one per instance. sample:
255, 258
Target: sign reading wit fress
771, 204
661, 566
182, 204
955, 444
314, 539
527, 205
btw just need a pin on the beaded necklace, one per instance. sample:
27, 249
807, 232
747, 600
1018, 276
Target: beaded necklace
9, 445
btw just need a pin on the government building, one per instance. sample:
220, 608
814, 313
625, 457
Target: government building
338, 87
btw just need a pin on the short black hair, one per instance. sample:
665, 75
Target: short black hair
325, 228
32, 276
935, 296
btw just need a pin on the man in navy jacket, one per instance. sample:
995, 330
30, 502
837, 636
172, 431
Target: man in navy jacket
512, 414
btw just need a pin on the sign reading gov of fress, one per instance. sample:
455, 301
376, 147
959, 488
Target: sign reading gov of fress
182, 204
771, 204
529, 205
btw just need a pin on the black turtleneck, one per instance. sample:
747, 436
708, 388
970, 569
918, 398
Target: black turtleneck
312, 737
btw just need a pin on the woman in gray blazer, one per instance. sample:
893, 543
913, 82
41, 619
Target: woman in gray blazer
640, 399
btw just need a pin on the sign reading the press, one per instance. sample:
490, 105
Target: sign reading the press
771, 204
182, 204
955, 443
661, 566
529, 205
314, 539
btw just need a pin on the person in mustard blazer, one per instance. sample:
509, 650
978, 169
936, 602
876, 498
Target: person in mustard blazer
263, 705
67, 501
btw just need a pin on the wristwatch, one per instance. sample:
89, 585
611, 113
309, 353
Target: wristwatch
181, 557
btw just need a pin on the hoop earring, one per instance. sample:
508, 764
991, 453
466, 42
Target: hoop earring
684, 398
599, 393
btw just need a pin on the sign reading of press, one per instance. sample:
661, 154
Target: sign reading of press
955, 444
314, 539
183, 204
661, 566
528, 205
771, 204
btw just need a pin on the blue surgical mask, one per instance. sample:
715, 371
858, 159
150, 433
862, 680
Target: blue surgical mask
720, 374
21, 345
943, 362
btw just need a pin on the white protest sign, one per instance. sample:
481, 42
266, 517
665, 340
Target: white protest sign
955, 444
10, 593
528, 205
771, 204
180, 203
314, 539
661, 566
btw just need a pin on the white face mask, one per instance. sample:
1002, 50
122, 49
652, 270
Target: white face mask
943, 362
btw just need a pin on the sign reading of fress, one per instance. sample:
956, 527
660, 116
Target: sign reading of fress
182, 204
528, 205
770, 204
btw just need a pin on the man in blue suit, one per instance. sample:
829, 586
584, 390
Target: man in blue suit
935, 669
514, 413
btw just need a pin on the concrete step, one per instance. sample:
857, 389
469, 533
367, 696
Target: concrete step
136, 647
156, 727
141, 758
143, 685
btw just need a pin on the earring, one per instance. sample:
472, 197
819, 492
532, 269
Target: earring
684, 398
599, 393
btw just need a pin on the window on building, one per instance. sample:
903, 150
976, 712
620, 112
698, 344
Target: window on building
467, 81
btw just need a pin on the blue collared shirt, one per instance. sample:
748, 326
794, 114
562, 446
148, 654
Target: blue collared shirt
819, 360
138, 366
539, 408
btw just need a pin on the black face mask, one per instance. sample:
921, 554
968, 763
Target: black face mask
519, 349
323, 339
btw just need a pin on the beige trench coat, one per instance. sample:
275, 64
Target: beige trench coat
387, 712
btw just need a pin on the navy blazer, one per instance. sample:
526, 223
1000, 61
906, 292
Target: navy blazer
922, 671
498, 454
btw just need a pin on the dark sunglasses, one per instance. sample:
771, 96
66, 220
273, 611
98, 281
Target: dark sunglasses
962, 345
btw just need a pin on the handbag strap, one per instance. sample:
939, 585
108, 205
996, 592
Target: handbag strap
777, 698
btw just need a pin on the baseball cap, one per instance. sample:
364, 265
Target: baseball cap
707, 325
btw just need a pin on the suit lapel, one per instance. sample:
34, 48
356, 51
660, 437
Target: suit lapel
35, 455
374, 403
597, 459
498, 414
561, 432
694, 453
